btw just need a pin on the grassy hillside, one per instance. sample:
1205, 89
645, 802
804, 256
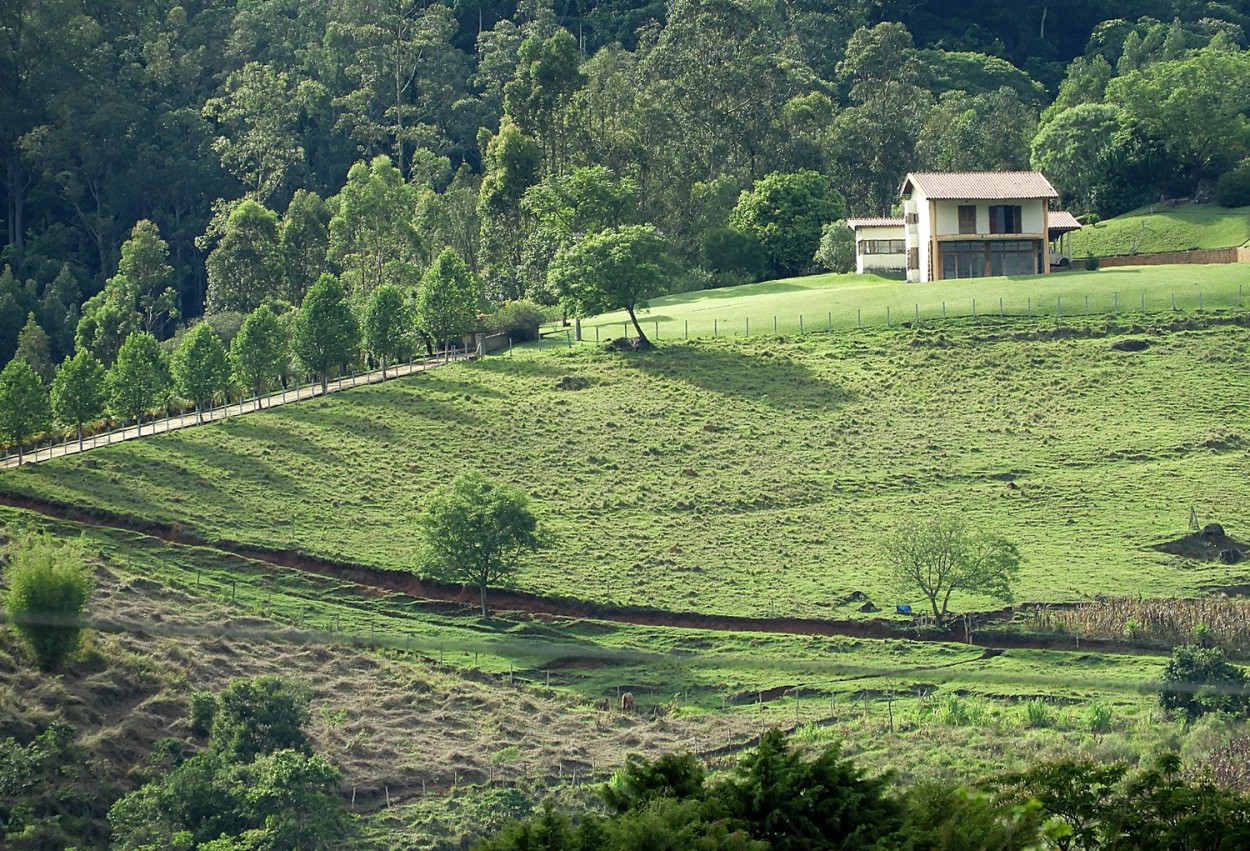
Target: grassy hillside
750, 476
1154, 229
844, 302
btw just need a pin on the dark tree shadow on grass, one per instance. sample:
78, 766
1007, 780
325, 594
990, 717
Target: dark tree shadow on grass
766, 377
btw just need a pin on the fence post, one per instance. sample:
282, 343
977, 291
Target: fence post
687, 331
974, 308
748, 333
1000, 308
859, 318
774, 324
943, 309
1173, 302
657, 331
1143, 297
830, 326
715, 328
917, 314
1115, 304
800, 324
1143, 302
1030, 307
1058, 308
887, 316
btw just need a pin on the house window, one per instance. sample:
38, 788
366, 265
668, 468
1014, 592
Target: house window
912, 218
882, 246
1005, 218
968, 218
967, 259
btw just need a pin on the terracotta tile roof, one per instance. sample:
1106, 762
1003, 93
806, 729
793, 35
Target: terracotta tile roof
986, 185
874, 223
1062, 221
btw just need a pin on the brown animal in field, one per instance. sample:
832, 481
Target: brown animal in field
627, 702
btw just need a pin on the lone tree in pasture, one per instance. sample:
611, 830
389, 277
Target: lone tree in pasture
617, 268
199, 367
49, 583
78, 391
942, 555
139, 380
24, 407
476, 532
260, 351
447, 300
388, 325
325, 333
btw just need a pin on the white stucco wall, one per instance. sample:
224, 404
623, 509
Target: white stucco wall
879, 262
1031, 215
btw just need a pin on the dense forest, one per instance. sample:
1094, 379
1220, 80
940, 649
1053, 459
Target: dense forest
240, 149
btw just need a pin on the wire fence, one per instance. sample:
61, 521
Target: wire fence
67, 443
1068, 307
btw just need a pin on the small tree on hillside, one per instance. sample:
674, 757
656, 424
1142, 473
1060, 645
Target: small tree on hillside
49, 583
260, 352
837, 247
199, 367
942, 555
615, 268
476, 532
388, 325
786, 212
447, 300
78, 391
325, 333
24, 407
139, 380
34, 347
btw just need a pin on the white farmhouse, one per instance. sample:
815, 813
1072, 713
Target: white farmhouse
968, 224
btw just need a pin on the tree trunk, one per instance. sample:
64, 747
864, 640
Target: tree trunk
80, 437
199, 419
643, 342
485, 613
325, 383
937, 615
383, 367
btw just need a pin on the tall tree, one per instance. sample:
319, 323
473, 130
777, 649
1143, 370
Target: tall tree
78, 391
24, 408
537, 97
476, 531
245, 267
139, 380
786, 213
448, 299
388, 325
513, 165
34, 348
257, 116
372, 237
1070, 150
324, 333
199, 367
617, 268
260, 351
304, 240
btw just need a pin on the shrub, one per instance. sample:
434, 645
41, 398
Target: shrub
1099, 717
519, 320
731, 251
49, 583
1037, 715
1233, 188
1091, 263
1197, 680
203, 711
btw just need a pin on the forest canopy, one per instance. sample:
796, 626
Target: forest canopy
242, 149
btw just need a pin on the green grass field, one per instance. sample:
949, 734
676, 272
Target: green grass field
1156, 229
747, 477
844, 302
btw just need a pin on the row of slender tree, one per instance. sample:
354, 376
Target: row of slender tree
327, 333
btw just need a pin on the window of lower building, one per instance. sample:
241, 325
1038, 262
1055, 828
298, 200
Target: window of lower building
882, 246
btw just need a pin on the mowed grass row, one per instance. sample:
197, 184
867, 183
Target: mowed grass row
842, 302
751, 477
